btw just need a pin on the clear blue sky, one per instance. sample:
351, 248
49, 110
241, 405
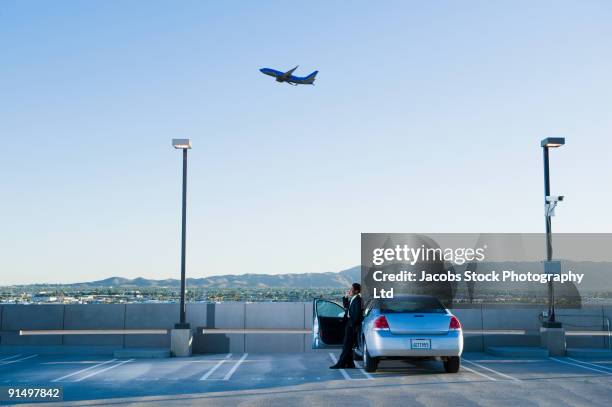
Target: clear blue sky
425, 117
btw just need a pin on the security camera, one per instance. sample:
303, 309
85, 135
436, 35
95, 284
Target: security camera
551, 204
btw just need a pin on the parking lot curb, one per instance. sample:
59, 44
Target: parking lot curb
517, 351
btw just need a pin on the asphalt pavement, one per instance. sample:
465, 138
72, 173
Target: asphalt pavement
305, 379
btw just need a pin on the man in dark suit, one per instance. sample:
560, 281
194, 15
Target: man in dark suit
353, 316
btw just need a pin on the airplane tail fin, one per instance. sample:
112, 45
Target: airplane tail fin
310, 78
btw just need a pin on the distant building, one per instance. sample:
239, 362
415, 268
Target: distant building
43, 297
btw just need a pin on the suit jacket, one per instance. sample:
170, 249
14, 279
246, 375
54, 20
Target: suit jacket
353, 311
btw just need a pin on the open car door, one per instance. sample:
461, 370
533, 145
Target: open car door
327, 325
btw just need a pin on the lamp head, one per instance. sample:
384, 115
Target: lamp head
181, 143
553, 142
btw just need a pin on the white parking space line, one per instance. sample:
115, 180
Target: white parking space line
590, 364
344, 374
16, 360
82, 370
362, 370
233, 370
599, 369
512, 361
11, 357
95, 372
478, 373
215, 367
493, 371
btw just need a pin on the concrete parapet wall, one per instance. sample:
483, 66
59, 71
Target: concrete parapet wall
153, 316
17, 317
523, 318
279, 315
584, 319
94, 316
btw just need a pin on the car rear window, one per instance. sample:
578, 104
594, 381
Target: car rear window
418, 305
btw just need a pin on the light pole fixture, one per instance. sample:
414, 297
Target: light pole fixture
546, 144
183, 144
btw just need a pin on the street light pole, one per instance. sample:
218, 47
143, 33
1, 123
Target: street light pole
546, 144
183, 237
551, 292
183, 144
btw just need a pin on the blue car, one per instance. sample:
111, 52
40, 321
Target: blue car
404, 327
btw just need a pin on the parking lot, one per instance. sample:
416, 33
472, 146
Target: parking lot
305, 379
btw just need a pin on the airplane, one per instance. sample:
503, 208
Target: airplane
288, 77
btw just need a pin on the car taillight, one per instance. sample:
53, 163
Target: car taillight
381, 323
454, 324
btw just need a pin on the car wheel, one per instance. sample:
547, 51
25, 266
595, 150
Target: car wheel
370, 363
452, 364
357, 356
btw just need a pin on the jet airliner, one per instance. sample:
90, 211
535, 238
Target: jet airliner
289, 78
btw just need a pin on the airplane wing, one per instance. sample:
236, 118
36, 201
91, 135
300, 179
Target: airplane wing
289, 72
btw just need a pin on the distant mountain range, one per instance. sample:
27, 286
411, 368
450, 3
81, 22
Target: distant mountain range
598, 276
340, 279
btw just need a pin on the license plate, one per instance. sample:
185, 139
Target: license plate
420, 343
